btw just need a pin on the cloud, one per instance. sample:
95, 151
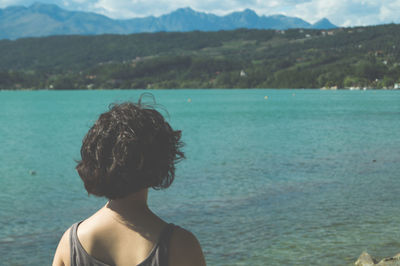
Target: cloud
5, 3
346, 12
141, 8
390, 12
340, 12
134, 8
222, 7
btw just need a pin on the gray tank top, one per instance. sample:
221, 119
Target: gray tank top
157, 257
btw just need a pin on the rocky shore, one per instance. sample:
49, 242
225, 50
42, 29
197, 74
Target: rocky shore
366, 260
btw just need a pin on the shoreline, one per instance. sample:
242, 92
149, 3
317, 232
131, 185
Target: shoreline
165, 89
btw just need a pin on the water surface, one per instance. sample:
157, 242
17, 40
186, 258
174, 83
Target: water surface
306, 177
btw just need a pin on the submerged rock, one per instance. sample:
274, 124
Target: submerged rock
366, 260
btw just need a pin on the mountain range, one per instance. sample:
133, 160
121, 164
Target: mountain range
48, 19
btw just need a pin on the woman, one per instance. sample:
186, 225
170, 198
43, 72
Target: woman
129, 149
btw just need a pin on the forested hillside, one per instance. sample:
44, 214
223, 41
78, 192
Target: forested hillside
296, 58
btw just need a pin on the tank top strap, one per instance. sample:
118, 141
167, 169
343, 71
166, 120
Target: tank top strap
164, 244
166, 233
74, 247
78, 255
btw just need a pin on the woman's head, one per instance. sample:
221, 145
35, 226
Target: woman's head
129, 148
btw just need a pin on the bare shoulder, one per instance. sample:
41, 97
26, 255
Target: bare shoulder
62, 255
185, 249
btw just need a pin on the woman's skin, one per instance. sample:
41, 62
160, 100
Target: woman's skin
125, 231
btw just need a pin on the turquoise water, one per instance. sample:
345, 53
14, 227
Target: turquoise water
305, 177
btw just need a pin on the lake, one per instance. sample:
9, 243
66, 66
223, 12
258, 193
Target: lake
300, 177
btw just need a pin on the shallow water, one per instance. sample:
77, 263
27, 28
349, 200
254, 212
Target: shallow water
306, 177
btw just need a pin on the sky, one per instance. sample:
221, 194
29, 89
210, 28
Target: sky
340, 12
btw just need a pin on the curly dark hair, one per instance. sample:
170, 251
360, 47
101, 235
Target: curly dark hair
129, 148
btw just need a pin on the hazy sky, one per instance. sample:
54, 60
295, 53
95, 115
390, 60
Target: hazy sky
340, 12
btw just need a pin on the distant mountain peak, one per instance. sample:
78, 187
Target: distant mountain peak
45, 8
247, 15
42, 19
323, 23
246, 11
186, 10
249, 11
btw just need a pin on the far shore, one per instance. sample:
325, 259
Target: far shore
324, 89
